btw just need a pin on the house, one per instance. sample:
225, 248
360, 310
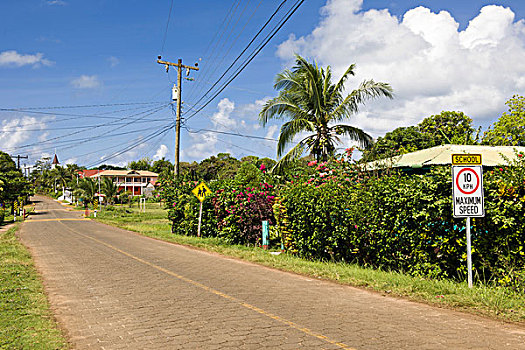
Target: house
137, 182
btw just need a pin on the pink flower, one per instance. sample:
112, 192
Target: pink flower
312, 163
262, 167
355, 226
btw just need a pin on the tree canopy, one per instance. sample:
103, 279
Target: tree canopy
509, 129
448, 127
311, 103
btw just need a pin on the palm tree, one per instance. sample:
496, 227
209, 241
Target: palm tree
312, 103
110, 189
86, 190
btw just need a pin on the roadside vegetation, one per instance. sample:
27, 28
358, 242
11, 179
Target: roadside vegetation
484, 299
390, 230
26, 321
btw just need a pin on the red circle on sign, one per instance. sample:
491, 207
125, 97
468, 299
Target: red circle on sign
477, 181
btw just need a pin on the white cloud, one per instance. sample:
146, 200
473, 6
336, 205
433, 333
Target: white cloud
431, 65
161, 152
203, 145
56, 2
222, 119
113, 61
86, 82
15, 131
11, 58
271, 131
72, 160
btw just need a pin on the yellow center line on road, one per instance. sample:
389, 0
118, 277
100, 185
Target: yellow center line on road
58, 219
221, 294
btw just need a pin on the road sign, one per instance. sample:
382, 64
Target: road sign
201, 191
467, 195
466, 159
467, 190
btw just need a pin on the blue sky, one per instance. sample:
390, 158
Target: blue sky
61, 53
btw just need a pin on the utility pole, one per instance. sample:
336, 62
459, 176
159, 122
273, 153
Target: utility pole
179, 66
18, 158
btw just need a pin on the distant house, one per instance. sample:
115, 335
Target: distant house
138, 182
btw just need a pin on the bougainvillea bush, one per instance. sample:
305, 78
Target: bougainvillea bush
233, 212
240, 211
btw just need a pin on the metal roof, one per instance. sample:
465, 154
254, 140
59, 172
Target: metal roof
125, 173
442, 155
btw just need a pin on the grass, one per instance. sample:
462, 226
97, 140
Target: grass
26, 321
495, 302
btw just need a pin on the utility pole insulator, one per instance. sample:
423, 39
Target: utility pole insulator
177, 96
174, 92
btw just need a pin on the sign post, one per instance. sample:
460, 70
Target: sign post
15, 209
201, 191
265, 234
467, 195
95, 207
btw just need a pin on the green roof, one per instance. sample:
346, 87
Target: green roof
442, 155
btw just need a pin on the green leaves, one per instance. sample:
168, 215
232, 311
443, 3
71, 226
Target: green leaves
509, 130
311, 102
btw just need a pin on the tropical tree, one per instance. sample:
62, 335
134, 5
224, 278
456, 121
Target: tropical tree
86, 190
110, 189
312, 103
447, 127
509, 129
15, 185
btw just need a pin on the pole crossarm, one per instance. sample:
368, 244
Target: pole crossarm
178, 65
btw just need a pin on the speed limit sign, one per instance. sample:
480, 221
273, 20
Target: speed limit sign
467, 191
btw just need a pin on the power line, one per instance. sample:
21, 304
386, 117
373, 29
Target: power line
243, 51
73, 116
81, 106
230, 133
79, 127
216, 66
152, 111
75, 143
249, 59
166, 30
147, 138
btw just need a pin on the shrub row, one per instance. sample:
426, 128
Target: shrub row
388, 220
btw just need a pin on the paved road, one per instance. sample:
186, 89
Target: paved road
112, 289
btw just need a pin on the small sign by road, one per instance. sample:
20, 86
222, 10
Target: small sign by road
467, 190
467, 195
201, 191
466, 159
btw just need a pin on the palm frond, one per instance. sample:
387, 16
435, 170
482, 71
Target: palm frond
290, 129
340, 84
278, 108
292, 155
355, 134
367, 90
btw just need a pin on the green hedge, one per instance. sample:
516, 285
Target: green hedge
404, 222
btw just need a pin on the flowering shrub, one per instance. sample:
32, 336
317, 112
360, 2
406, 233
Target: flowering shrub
404, 222
390, 220
241, 210
233, 212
